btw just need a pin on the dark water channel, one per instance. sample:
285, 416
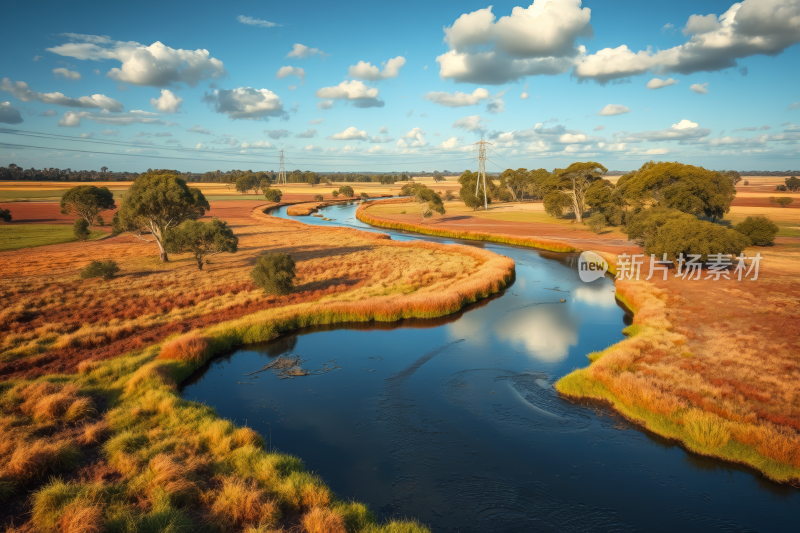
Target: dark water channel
454, 421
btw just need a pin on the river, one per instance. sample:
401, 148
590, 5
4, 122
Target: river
455, 422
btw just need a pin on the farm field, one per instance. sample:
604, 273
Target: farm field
16, 236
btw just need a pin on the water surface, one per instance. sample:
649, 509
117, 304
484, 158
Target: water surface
455, 422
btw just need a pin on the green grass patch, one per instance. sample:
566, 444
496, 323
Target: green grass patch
16, 236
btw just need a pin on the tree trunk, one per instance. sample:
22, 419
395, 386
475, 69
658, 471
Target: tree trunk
199, 262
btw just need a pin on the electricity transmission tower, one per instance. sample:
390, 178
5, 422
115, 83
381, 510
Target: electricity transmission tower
281, 171
481, 147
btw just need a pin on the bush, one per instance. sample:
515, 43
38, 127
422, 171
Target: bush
760, 230
364, 195
335, 194
780, 188
597, 222
99, 220
318, 198
746, 182
274, 273
555, 203
100, 269
645, 223
784, 201
347, 191
5, 215
448, 195
692, 236
81, 229
273, 195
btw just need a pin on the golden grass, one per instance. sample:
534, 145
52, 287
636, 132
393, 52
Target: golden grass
186, 348
239, 504
543, 244
82, 518
320, 520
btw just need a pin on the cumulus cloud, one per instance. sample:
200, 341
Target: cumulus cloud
9, 114
258, 145
379, 140
301, 51
450, 144
199, 129
496, 104
310, 132
752, 27
21, 91
613, 109
66, 74
458, 99
73, 118
366, 71
383, 129
250, 21
110, 133
298, 72
472, 123
246, 103
167, 102
682, 131
325, 104
350, 134
352, 91
525, 95
539, 39
312, 148
277, 134
48, 113
156, 65
657, 83
413, 139
699, 88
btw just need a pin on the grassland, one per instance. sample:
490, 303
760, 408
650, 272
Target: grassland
97, 437
16, 236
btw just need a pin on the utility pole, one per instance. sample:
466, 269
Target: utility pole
481, 146
281, 171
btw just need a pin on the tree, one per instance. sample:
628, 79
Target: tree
734, 176
318, 198
103, 169
437, 177
575, 180
602, 197
100, 269
81, 229
274, 273
87, 201
5, 215
311, 178
597, 222
364, 196
429, 202
516, 181
158, 203
555, 203
760, 230
646, 223
793, 183
202, 239
347, 191
246, 182
784, 201
470, 182
273, 195
448, 195
688, 235
335, 194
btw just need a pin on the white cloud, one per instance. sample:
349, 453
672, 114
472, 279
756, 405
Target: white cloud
793, 106
657, 151
259, 145
379, 139
9, 114
496, 104
87, 135
413, 139
599, 128
38, 58
536, 40
376, 150
525, 95
199, 129
752, 27
162, 134
277, 134
450, 144
110, 133
246, 103
349, 134
353, 91
156, 65
298, 72
48, 113
167, 102
96, 72
573, 138
366, 71
301, 51
458, 99
472, 123
309, 133
657, 83
751, 128
73, 118
325, 104
66, 74
316, 121
383, 129
667, 26
250, 21
613, 109
20, 90
312, 148
699, 88
682, 131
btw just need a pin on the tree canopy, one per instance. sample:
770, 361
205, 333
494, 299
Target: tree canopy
202, 239
759, 229
470, 183
574, 181
429, 202
688, 235
157, 203
87, 201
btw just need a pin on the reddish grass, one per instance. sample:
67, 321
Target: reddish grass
238, 504
192, 347
82, 518
321, 520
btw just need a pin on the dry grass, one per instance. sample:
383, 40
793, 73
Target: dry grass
320, 520
239, 504
192, 347
82, 518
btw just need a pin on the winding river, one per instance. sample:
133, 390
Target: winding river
455, 422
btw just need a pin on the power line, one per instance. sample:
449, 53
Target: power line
482, 171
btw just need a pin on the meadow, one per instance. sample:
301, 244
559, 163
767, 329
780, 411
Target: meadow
14, 237
97, 437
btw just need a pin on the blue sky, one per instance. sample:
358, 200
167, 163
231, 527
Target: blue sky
440, 75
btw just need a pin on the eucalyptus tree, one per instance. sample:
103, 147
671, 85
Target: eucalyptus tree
87, 201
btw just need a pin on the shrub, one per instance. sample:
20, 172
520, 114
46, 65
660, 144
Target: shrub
273, 195
202, 239
100, 269
646, 222
746, 182
318, 198
81, 229
780, 188
99, 221
274, 273
760, 230
793, 183
364, 195
346, 190
692, 236
448, 195
784, 201
555, 203
335, 194
597, 222
5, 215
